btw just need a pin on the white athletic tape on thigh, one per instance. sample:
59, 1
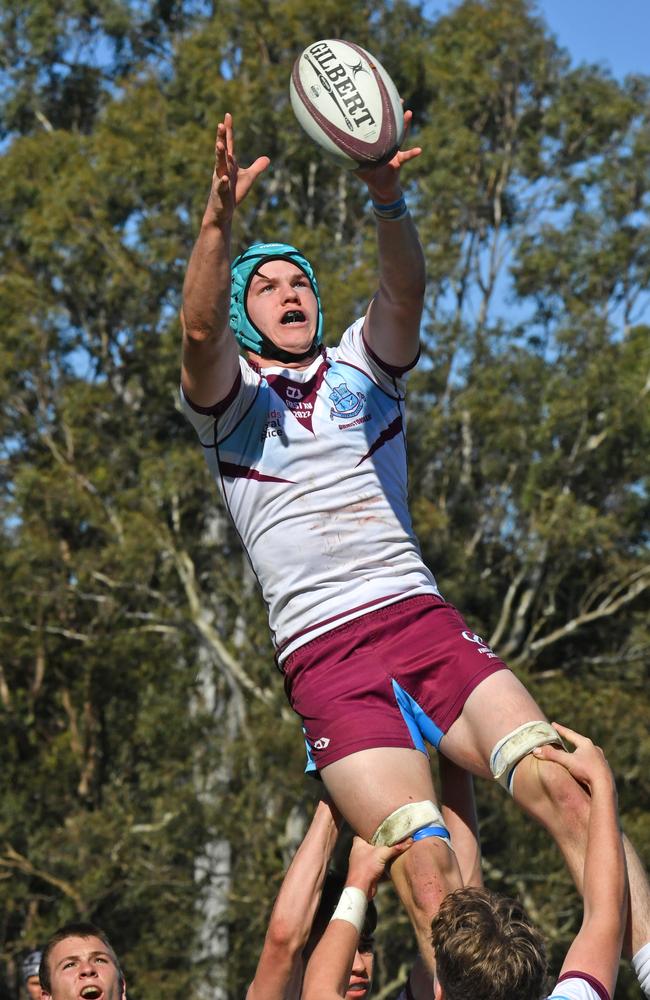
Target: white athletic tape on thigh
405, 821
516, 745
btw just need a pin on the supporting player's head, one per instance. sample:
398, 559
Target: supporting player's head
265, 319
486, 948
78, 963
360, 983
29, 975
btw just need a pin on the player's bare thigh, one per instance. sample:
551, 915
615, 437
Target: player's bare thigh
497, 706
369, 785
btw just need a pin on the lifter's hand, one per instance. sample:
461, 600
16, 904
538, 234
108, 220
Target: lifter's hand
367, 864
587, 763
383, 182
230, 182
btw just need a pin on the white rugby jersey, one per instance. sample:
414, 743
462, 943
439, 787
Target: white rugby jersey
578, 986
571, 986
312, 468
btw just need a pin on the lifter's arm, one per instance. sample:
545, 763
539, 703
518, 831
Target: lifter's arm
279, 968
210, 354
596, 949
328, 972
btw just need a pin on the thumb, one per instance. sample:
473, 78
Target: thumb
397, 849
549, 752
259, 165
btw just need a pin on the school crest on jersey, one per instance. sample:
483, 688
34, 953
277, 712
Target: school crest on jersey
346, 403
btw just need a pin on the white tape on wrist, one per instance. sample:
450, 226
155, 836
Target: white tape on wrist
352, 907
641, 965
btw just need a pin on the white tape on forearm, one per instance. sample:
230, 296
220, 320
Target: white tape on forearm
641, 965
352, 907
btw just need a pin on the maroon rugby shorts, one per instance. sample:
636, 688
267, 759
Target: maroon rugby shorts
395, 677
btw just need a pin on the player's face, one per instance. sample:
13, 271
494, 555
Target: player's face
33, 988
361, 975
82, 969
282, 304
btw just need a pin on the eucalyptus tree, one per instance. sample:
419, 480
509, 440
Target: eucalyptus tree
151, 764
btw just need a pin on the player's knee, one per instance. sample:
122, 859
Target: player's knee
516, 746
561, 789
423, 876
428, 870
543, 788
419, 820
552, 795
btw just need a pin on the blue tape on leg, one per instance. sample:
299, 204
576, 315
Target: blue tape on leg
432, 831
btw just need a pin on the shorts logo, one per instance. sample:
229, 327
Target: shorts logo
482, 646
346, 403
322, 743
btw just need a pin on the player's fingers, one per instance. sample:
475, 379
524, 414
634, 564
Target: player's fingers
549, 752
576, 738
220, 137
230, 135
397, 849
220, 158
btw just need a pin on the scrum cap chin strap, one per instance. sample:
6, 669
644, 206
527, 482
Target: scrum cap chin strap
247, 333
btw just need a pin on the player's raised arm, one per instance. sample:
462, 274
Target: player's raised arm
210, 354
596, 950
338, 953
279, 969
392, 327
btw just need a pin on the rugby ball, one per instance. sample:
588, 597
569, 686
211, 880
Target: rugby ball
347, 103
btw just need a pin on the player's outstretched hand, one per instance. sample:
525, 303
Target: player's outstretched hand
587, 763
230, 182
383, 182
368, 865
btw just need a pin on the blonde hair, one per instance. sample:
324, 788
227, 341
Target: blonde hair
486, 948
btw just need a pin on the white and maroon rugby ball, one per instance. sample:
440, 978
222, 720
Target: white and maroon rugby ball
347, 103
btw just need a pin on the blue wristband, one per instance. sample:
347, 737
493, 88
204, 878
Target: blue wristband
392, 212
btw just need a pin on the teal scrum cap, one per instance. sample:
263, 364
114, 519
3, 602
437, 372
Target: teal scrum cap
243, 269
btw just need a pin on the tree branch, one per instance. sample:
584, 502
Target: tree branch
14, 861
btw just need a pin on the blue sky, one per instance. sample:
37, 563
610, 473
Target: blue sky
612, 32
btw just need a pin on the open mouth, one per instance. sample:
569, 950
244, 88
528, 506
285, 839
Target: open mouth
91, 992
293, 316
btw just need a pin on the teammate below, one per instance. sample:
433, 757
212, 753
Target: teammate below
78, 963
309, 895
486, 946
307, 446
29, 975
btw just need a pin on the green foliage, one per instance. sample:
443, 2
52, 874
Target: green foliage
147, 746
